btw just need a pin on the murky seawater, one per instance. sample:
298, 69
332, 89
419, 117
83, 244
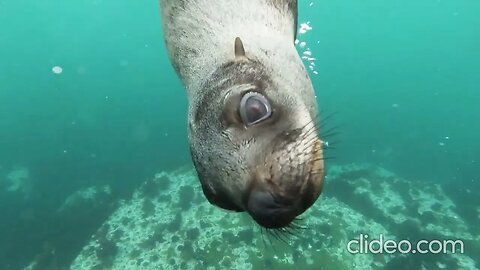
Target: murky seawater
90, 109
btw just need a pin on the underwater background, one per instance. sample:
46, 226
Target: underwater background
91, 111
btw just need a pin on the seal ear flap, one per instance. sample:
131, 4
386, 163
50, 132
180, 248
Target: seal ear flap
239, 49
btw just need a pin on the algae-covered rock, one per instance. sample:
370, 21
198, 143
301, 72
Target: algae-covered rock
167, 226
18, 180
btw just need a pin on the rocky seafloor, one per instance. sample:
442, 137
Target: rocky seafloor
168, 224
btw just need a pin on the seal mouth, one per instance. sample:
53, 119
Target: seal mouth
268, 211
278, 193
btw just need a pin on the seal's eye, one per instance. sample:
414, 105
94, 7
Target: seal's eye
254, 108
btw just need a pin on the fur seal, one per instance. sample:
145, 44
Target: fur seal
252, 111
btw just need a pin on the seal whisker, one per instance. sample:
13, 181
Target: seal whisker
269, 237
324, 158
312, 121
311, 129
273, 233
333, 143
281, 235
294, 224
329, 132
320, 125
323, 121
329, 147
293, 229
310, 142
285, 230
327, 136
326, 119
263, 236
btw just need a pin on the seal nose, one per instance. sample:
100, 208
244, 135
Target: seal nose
268, 212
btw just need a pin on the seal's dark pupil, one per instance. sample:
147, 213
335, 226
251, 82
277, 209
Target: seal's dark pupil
256, 109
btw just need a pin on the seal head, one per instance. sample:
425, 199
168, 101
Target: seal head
252, 110
255, 143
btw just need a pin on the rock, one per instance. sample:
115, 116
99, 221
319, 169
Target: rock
358, 199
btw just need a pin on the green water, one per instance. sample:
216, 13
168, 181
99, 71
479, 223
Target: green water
401, 78
420, 55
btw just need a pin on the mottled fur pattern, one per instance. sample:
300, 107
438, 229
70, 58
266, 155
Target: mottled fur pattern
199, 36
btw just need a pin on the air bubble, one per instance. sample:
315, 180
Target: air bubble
57, 69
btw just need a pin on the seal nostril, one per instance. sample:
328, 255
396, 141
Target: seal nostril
267, 212
260, 201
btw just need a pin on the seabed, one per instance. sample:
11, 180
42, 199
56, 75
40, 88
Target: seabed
168, 224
